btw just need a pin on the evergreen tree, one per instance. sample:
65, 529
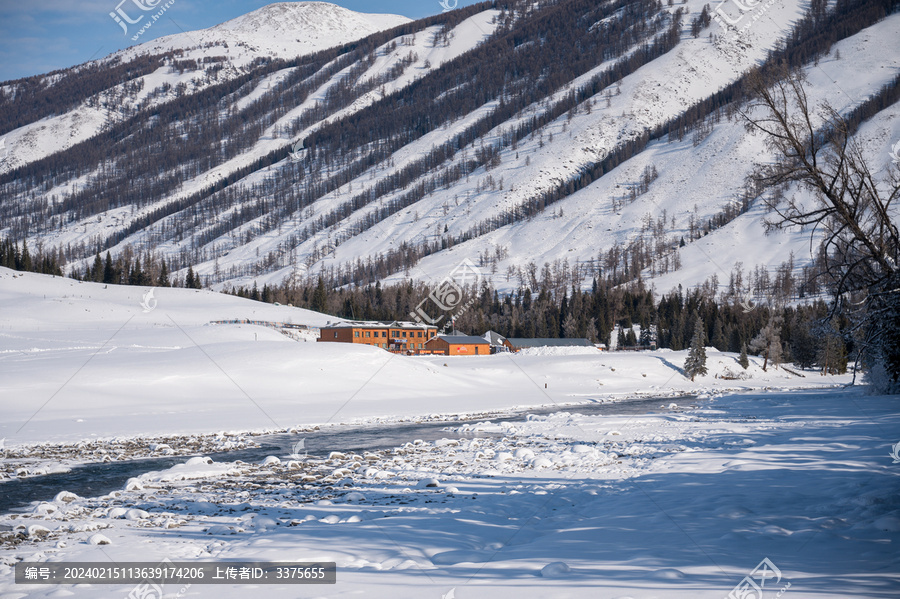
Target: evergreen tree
832, 358
137, 273
163, 280
743, 360
696, 359
570, 327
25, 258
804, 344
592, 333
97, 270
109, 272
320, 297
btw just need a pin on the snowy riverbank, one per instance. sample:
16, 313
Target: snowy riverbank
683, 503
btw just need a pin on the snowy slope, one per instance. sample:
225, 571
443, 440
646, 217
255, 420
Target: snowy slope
83, 360
697, 179
280, 30
681, 503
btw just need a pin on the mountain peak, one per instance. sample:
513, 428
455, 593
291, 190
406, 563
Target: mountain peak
307, 17
282, 29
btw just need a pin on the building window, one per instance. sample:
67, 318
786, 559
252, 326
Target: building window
368, 333
356, 333
335, 334
420, 334
384, 333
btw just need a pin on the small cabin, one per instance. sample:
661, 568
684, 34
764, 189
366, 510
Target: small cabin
459, 345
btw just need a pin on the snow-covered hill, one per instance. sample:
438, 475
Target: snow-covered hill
82, 360
282, 29
258, 214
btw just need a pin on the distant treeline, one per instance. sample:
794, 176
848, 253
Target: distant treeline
126, 268
20, 258
803, 333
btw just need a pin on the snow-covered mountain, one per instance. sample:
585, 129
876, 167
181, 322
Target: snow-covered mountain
515, 137
283, 30
226, 51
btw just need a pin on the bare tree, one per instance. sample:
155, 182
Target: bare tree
847, 204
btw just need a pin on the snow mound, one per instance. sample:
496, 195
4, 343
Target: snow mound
555, 570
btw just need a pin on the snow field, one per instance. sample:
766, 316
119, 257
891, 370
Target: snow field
681, 503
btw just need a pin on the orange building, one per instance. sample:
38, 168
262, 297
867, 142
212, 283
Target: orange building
459, 345
397, 336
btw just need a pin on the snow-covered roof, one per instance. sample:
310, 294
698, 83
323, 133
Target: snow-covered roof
494, 338
547, 342
462, 339
375, 324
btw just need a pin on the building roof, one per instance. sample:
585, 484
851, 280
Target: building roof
494, 338
462, 339
548, 342
375, 324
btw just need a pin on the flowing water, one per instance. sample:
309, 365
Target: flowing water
91, 480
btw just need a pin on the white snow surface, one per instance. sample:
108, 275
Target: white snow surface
680, 502
85, 361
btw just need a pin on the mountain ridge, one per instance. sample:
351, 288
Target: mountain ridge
432, 179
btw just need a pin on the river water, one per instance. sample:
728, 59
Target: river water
91, 480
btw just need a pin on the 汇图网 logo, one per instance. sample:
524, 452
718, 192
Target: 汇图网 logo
123, 14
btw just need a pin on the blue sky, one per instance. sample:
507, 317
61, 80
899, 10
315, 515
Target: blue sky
37, 36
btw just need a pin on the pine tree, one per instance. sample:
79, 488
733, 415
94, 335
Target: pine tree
696, 359
592, 333
109, 272
163, 280
97, 270
320, 297
570, 327
25, 257
743, 360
